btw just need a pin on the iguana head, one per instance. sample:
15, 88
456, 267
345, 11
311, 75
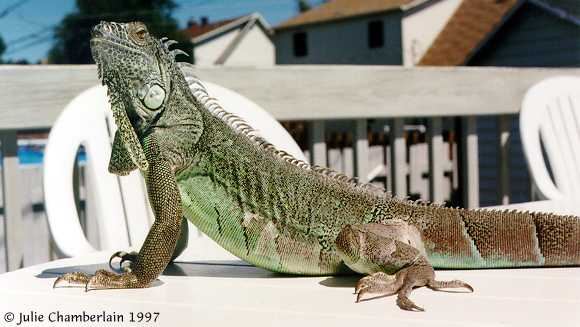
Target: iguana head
137, 70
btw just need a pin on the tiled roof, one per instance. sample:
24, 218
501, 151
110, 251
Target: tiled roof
196, 30
465, 31
337, 9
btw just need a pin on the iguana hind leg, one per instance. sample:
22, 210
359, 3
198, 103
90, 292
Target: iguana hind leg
382, 250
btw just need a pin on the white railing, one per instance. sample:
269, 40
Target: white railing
31, 97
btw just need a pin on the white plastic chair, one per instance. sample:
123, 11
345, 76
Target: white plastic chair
550, 117
122, 211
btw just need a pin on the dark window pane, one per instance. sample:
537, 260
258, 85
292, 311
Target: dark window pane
376, 34
300, 44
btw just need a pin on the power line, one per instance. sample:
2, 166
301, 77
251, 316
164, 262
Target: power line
31, 44
213, 4
12, 7
40, 36
33, 35
29, 21
41, 33
117, 13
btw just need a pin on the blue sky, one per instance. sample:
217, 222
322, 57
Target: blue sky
37, 17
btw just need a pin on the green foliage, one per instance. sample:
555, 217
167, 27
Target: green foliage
2, 48
303, 5
73, 33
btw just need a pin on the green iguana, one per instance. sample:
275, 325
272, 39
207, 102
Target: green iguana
275, 211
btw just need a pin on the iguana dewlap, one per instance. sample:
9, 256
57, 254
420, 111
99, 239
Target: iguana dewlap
277, 212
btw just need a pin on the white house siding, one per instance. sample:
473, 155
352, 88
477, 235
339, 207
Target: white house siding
207, 53
255, 49
343, 42
422, 25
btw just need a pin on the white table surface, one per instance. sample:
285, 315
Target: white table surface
208, 293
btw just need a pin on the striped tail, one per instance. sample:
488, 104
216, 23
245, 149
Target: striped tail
460, 238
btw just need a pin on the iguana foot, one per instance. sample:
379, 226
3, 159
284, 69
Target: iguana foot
418, 276
124, 256
74, 278
412, 277
403, 283
102, 279
394, 246
379, 283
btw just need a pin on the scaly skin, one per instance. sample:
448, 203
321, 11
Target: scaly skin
277, 212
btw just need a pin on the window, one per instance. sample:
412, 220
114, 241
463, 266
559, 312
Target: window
376, 34
300, 44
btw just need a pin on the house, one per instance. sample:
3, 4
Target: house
370, 32
542, 33
422, 23
432, 32
243, 41
343, 32
516, 33
510, 33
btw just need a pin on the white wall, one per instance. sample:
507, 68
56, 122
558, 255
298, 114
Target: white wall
420, 28
255, 49
343, 42
207, 53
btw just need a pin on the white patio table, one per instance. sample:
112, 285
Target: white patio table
207, 293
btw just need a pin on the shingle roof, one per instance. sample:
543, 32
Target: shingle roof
196, 30
465, 31
338, 9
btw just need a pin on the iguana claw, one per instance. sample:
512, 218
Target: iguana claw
437, 285
124, 256
406, 304
377, 283
74, 278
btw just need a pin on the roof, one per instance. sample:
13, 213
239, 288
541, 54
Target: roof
340, 9
202, 33
570, 7
466, 30
196, 30
562, 9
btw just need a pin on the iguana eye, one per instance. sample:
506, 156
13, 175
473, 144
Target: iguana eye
139, 33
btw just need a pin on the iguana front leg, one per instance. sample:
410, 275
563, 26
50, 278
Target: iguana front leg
381, 250
161, 241
131, 257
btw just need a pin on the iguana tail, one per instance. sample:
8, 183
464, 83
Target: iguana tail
460, 238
